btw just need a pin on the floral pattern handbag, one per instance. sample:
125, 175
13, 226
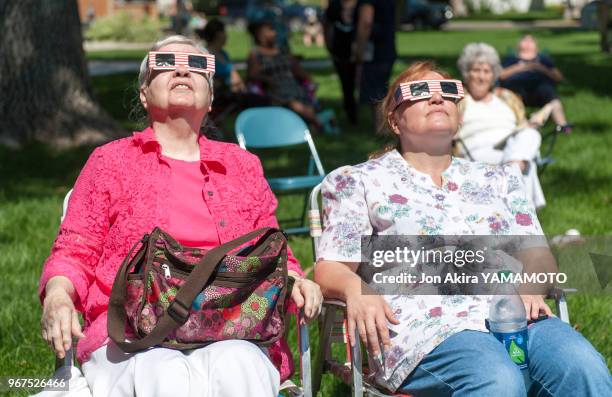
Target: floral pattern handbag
184, 298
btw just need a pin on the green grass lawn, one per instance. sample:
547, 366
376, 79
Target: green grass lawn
578, 186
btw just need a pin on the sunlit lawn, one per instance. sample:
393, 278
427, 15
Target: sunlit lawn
578, 186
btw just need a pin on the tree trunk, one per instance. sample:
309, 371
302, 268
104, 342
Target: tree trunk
536, 5
44, 84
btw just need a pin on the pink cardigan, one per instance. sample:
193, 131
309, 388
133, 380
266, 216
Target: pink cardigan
122, 193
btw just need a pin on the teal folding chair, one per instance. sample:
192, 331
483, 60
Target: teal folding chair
276, 127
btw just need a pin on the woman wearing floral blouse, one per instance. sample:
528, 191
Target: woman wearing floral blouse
438, 344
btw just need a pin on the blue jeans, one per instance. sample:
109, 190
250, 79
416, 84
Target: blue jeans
471, 363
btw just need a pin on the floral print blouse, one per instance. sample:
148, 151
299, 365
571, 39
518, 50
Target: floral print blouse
387, 196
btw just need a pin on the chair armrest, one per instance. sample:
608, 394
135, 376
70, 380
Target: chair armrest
334, 302
559, 293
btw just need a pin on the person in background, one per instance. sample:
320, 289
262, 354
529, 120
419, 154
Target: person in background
339, 28
226, 76
180, 15
270, 11
534, 77
494, 128
231, 94
279, 74
374, 51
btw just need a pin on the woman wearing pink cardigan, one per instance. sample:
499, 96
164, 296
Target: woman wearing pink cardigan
204, 193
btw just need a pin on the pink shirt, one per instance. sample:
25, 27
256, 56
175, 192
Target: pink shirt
123, 192
190, 221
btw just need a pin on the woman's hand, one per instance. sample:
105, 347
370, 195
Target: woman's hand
307, 295
237, 85
534, 305
59, 320
369, 314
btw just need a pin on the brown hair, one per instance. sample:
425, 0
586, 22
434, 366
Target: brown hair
415, 71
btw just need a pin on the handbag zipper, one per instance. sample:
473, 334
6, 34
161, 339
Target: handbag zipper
232, 280
236, 278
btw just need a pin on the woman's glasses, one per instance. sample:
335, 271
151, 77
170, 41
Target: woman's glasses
424, 89
198, 63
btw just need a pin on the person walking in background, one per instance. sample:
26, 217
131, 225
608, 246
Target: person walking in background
534, 77
339, 27
374, 51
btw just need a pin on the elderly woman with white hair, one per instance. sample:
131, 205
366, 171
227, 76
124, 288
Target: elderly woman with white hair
204, 193
494, 128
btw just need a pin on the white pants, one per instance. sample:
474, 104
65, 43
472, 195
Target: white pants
232, 368
522, 146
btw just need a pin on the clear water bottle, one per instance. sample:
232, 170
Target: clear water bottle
508, 323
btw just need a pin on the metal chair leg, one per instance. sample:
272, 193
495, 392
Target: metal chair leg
305, 369
325, 329
562, 310
356, 368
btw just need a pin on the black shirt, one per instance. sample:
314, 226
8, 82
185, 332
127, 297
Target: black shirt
530, 76
383, 30
342, 32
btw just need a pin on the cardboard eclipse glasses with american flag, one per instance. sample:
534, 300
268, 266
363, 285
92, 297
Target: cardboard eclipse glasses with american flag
195, 62
424, 89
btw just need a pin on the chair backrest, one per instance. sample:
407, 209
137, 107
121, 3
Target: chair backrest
315, 222
271, 127
65, 205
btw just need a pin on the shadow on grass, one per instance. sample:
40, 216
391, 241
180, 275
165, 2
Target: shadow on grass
594, 127
37, 171
581, 182
118, 95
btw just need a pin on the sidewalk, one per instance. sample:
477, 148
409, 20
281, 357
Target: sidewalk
454, 25
103, 68
113, 45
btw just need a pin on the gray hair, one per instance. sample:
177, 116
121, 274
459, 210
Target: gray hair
478, 53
